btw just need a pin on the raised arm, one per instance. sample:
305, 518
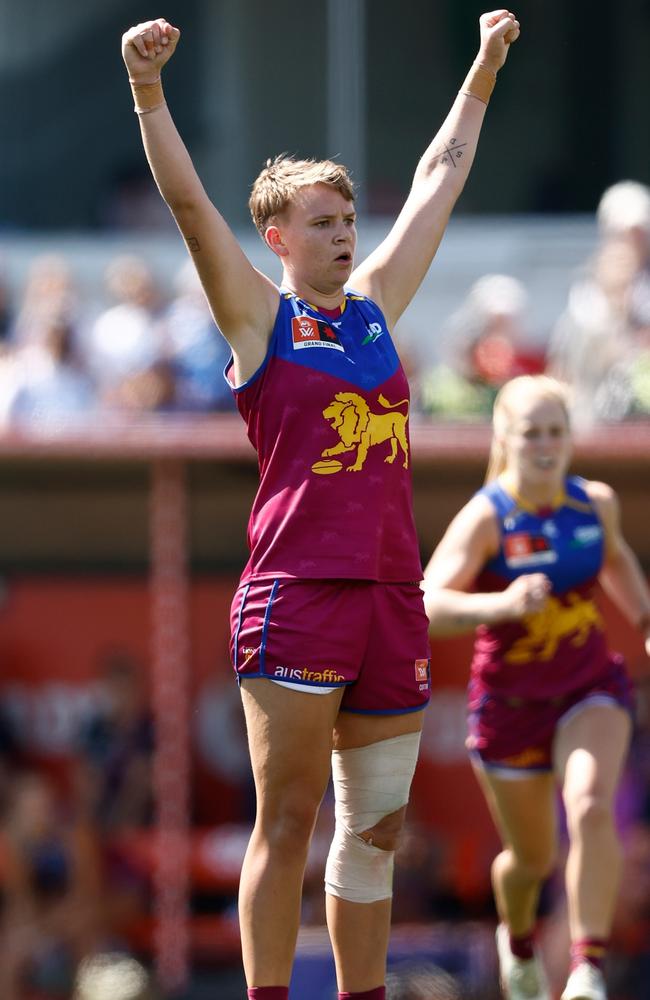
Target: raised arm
394, 271
621, 575
470, 541
243, 301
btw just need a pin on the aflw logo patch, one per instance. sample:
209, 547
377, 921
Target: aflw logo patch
308, 332
422, 671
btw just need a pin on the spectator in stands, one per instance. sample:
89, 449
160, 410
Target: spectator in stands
198, 352
49, 388
115, 748
624, 211
52, 913
49, 295
125, 349
601, 343
9, 382
486, 342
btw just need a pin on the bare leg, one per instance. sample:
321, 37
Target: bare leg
523, 810
589, 751
290, 740
360, 931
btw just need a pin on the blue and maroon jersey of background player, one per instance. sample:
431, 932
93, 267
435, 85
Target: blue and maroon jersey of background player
327, 413
561, 648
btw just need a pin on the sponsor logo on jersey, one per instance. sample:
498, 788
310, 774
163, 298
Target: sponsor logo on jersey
327, 676
375, 331
523, 549
309, 332
586, 534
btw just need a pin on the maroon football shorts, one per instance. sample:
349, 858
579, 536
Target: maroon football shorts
516, 735
370, 638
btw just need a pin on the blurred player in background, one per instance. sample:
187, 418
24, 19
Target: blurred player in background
548, 702
329, 630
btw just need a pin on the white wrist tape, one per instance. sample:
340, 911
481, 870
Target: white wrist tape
369, 783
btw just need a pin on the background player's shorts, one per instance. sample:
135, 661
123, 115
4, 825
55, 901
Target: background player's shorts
369, 637
516, 735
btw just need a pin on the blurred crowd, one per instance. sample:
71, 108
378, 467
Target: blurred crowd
68, 892
599, 346
65, 360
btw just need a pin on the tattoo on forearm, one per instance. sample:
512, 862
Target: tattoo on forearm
192, 244
452, 151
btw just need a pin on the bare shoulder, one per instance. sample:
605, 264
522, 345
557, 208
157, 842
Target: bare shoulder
599, 492
607, 506
483, 516
479, 510
603, 496
469, 542
475, 526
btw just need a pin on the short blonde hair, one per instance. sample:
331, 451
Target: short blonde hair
282, 177
505, 409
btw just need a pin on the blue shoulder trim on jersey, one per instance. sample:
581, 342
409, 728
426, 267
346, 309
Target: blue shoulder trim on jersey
576, 486
502, 502
576, 496
363, 304
361, 351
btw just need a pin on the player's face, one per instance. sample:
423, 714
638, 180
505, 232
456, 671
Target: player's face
538, 442
319, 233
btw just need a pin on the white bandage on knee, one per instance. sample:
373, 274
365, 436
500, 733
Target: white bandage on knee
369, 783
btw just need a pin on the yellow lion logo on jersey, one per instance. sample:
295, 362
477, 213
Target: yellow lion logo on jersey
556, 621
359, 429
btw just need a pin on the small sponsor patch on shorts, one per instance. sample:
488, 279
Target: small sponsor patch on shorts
422, 671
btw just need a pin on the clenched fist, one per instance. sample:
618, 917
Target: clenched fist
499, 30
527, 594
147, 47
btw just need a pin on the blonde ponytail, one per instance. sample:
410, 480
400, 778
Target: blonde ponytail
496, 461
